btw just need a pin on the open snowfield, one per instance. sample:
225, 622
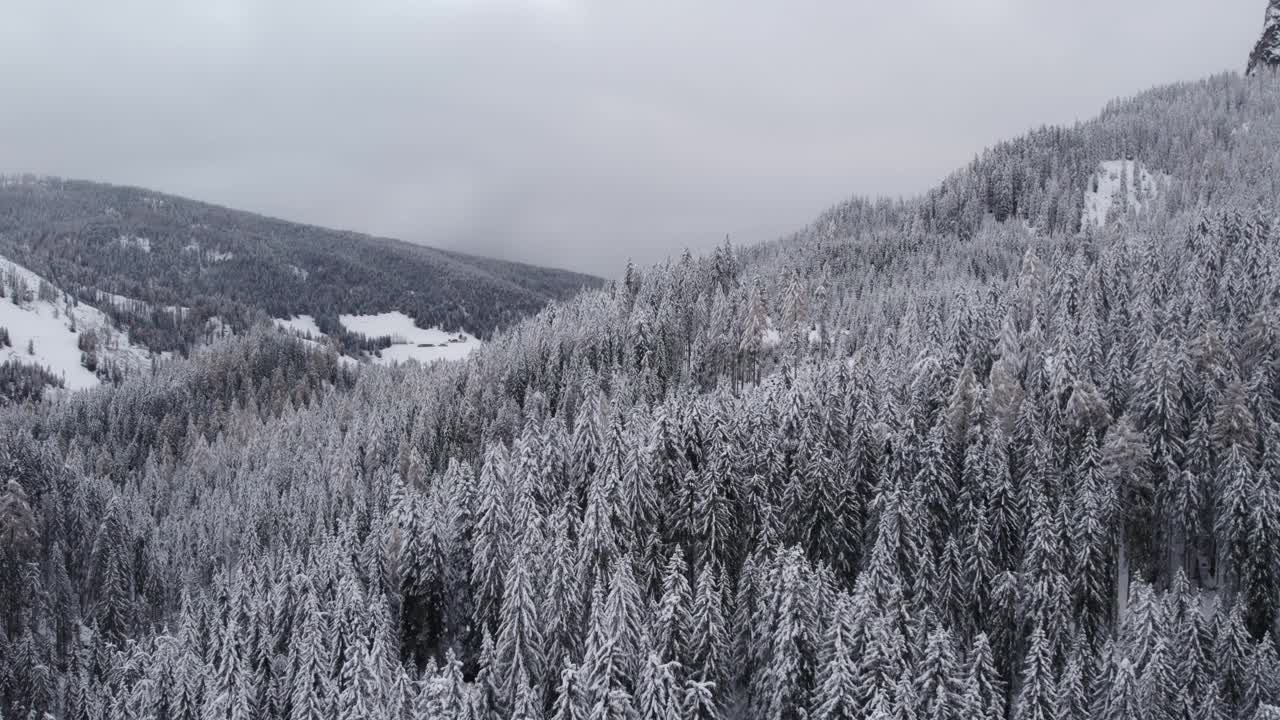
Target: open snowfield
46, 326
301, 324
410, 342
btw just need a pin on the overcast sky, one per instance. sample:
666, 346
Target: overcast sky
572, 133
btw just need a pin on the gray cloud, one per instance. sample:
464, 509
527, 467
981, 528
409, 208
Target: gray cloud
569, 132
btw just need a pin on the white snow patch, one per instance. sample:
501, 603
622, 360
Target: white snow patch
1142, 187
46, 325
301, 325
216, 327
141, 243
305, 330
770, 338
124, 302
319, 347
410, 342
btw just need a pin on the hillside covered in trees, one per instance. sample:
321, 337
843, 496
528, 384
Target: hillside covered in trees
963, 456
141, 253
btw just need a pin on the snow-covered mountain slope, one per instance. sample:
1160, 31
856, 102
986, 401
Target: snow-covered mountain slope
74, 341
1118, 187
163, 250
1267, 52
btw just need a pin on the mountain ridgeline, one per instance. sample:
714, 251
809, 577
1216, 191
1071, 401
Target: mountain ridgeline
163, 252
1007, 450
1266, 54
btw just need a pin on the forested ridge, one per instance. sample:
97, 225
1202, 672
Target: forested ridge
162, 252
963, 456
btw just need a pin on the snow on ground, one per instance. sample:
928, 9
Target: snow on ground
301, 324
305, 329
46, 326
143, 244
410, 342
346, 360
770, 338
214, 256
124, 302
1112, 175
215, 327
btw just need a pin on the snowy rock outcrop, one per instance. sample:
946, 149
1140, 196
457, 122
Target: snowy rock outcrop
1267, 51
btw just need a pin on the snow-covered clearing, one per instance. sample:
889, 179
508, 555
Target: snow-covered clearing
316, 345
212, 255
141, 243
301, 324
1140, 188
410, 342
46, 327
124, 302
305, 329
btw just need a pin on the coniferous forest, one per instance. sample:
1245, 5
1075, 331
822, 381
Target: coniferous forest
966, 456
173, 272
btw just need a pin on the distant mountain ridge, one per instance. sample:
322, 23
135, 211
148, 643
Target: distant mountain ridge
237, 268
1267, 52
